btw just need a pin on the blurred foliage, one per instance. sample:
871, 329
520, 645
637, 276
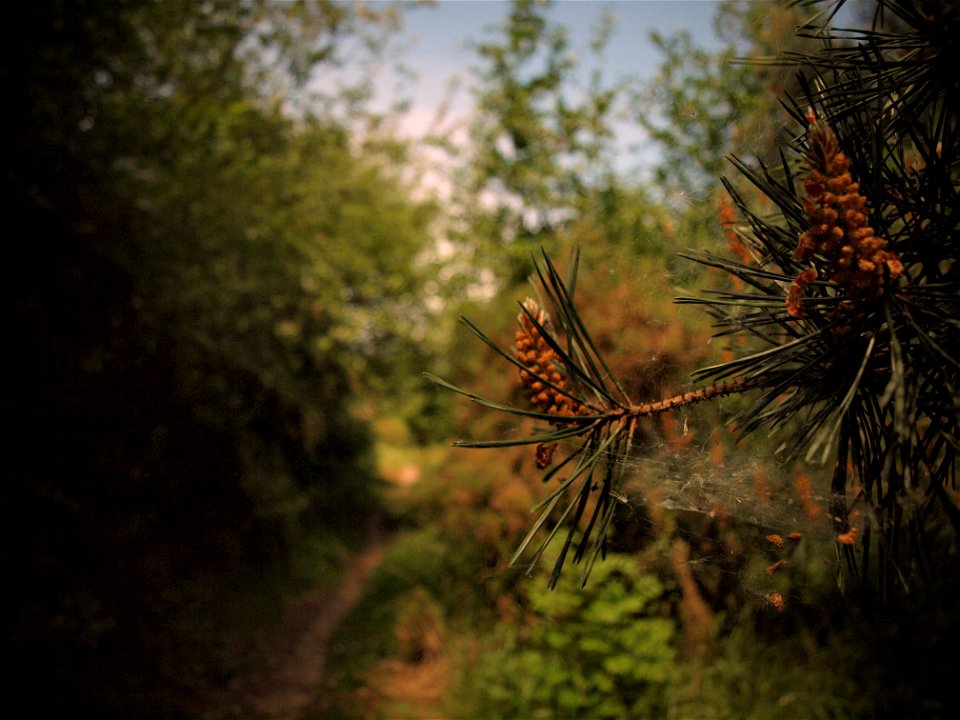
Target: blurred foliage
827, 659
542, 141
205, 282
601, 651
703, 105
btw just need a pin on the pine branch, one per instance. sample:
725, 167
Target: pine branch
849, 298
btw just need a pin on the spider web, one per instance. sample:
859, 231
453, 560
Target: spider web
756, 491
693, 467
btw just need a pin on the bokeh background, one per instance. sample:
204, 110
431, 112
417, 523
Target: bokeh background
240, 232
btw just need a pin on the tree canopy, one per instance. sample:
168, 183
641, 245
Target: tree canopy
205, 280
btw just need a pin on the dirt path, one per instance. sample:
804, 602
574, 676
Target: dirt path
285, 682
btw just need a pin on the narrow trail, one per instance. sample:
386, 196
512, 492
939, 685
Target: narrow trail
285, 682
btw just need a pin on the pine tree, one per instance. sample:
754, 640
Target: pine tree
848, 295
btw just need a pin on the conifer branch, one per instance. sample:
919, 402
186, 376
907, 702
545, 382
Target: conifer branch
847, 298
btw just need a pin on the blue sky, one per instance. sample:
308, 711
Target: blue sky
440, 34
438, 37
436, 42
